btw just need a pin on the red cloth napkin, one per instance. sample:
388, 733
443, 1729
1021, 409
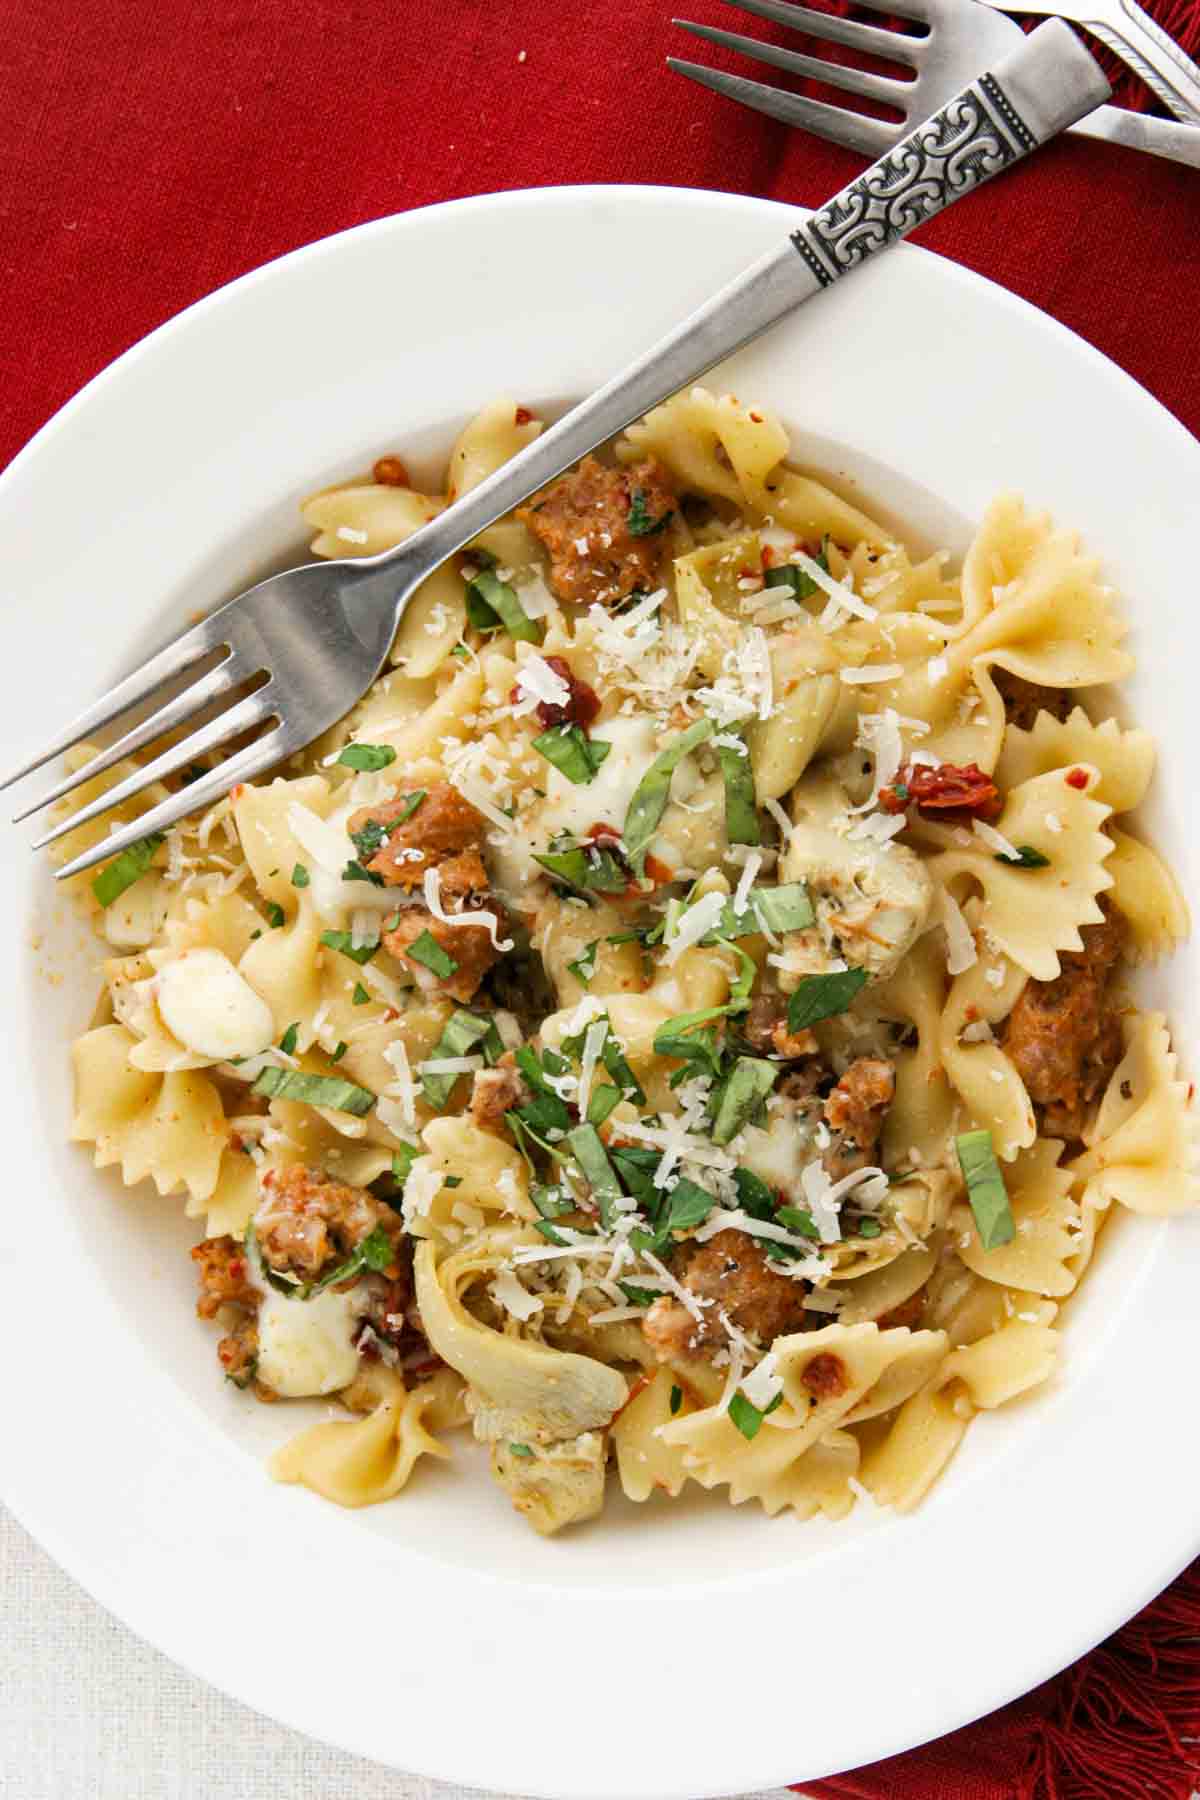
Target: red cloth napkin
153, 150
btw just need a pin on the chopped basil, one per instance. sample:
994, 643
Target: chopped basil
551, 1202
354, 871
692, 1039
747, 1417
754, 1196
343, 941
614, 1061
985, 1189
520, 1450
127, 868
1026, 858
688, 1205
800, 1221
300, 876
637, 1296
676, 1400
868, 1228
603, 1097
641, 521
586, 1147
314, 1090
587, 867
745, 1090
287, 1042
650, 797
367, 757
493, 606
741, 816
403, 1160
360, 996
636, 1167
341, 1050
785, 908
427, 951
572, 752
801, 583
375, 1252
821, 996
276, 914
584, 967
462, 1033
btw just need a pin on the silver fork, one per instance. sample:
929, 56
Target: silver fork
962, 36
321, 633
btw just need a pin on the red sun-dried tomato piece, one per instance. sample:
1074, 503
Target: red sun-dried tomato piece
582, 703
947, 790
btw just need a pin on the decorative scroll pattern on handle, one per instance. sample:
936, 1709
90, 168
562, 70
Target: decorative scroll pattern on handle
979, 133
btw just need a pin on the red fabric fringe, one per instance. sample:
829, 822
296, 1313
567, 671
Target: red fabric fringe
1120, 1724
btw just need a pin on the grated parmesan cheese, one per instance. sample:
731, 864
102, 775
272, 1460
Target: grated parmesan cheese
869, 672
995, 840
961, 953
432, 888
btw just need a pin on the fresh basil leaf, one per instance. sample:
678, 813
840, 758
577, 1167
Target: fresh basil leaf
548, 1232
676, 1400
754, 1196
584, 967
641, 522
688, 1205
823, 996
613, 1058
800, 1221
343, 941
985, 1189
1026, 858
801, 583
572, 752
429, 953
750, 1081
493, 606
403, 1160
741, 814
747, 1417
603, 1097
867, 1228
545, 1113
127, 868
784, 908
588, 1150
287, 1042
366, 757
314, 1090
691, 1038
300, 876
460, 1035
594, 868
650, 797
636, 1167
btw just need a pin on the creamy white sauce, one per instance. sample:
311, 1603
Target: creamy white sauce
211, 1008
307, 1346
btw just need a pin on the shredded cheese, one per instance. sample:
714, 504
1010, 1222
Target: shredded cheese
432, 888
961, 953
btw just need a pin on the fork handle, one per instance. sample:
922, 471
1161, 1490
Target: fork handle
1142, 131
1049, 81
1142, 43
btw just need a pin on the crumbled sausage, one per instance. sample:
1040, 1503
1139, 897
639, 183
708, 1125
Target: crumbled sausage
441, 825
603, 528
497, 1091
855, 1110
305, 1221
766, 1029
224, 1276
1064, 1036
910, 1312
1024, 700
825, 1376
389, 471
948, 792
469, 947
237, 1354
730, 1274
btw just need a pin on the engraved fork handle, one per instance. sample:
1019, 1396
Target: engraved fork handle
1144, 45
1049, 81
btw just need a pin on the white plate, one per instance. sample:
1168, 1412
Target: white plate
683, 1649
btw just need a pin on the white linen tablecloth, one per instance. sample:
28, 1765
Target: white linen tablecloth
89, 1712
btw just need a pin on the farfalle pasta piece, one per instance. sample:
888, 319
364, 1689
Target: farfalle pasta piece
978, 1069
85, 837
363, 1461
778, 1471
1148, 898
1031, 913
921, 1115
646, 1463
463, 1170
268, 842
870, 1298
170, 1128
366, 517
1142, 1146
1123, 760
1049, 1224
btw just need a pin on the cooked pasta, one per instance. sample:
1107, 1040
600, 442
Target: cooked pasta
679, 1020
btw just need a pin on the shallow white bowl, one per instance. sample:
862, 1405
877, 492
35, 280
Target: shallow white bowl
679, 1649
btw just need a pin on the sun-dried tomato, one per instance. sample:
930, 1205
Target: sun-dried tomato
944, 792
389, 471
1077, 778
825, 1376
582, 703
522, 416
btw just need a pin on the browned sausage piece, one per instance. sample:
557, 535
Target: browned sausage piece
766, 1029
1064, 1036
733, 1274
442, 825
825, 1376
497, 1091
855, 1111
305, 1221
604, 529
224, 1276
469, 946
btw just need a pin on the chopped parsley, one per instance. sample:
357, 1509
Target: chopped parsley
427, 951
343, 941
287, 1042
276, 914
360, 996
822, 996
641, 521
747, 1417
1026, 858
520, 1450
367, 758
300, 876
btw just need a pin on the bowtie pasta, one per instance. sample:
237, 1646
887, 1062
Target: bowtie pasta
678, 1021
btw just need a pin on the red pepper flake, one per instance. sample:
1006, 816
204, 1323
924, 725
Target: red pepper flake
768, 556
389, 471
757, 417
582, 703
947, 792
1077, 778
522, 416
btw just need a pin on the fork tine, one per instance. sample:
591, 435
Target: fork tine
248, 763
871, 39
248, 712
178, 655
854, 81
184, 706
870, 137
